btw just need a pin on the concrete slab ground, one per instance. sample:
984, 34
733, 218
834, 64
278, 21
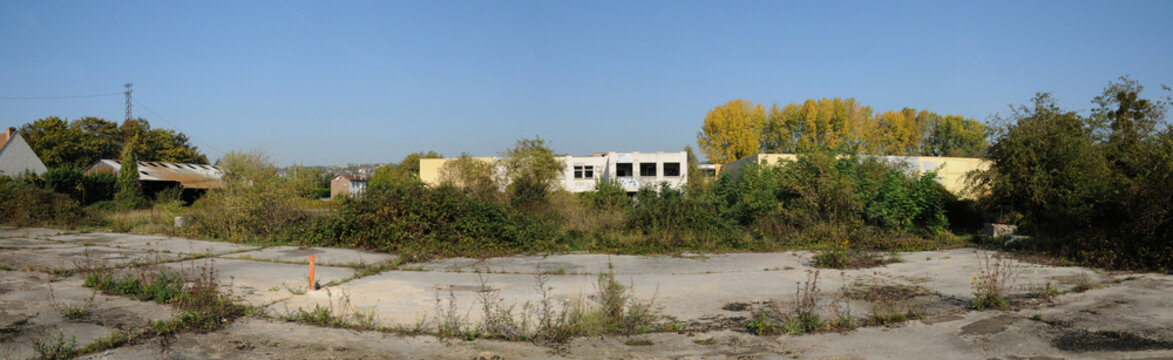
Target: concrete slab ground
689, 289
1124, 316
161, 244
9, 232
322, 256
31, 310
258, 282
17, 253
970, 335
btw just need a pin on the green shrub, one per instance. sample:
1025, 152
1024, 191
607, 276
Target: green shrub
1095, 189
445, 220
254, 204
22, 204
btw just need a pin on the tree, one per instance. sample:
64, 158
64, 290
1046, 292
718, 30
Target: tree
130, 193
898, 133
828, 123
695, 177
82, 142
531, 172
954, 135
1047, 167
471, 174
56, 144
732, 131
407, 171
306, 181
411, 163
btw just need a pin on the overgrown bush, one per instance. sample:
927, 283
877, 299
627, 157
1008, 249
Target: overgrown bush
254, 204
1092, 188
417, 219
85, 188
23, 204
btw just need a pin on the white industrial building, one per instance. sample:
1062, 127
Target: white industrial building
632, 170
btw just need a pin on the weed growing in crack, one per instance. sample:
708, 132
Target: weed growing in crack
802, 318
449, 323
340, 314
56, 347
996, 274
497, 320
1085, 284
1045, 292
638, 342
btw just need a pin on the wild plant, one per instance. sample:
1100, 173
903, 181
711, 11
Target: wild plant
995, 276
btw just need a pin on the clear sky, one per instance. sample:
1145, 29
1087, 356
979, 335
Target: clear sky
335, 82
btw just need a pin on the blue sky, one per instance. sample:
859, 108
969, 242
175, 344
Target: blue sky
350, 82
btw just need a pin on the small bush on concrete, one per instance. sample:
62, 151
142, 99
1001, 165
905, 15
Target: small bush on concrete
995, 276
56, 347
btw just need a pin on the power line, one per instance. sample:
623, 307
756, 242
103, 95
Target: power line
54, 97
176, 127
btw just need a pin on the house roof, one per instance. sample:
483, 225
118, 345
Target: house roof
351, 177
192, 176
7, 135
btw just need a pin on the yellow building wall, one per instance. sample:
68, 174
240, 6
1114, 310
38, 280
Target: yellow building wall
950, 170
430, 168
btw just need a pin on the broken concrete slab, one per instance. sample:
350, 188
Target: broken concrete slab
162, 244
623, 264
323, 256
31, 309
180, 245
9, 232
261, 283
46, 255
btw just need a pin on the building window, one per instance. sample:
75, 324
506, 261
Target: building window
623, 170
672, 169
584, 171
647, 169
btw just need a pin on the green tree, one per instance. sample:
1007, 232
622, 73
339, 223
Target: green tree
531, 172
56, 144
84, 141
254, 203
471, 174
957, 136
130, 193
695, 177
1047, 168
306, 181
732, 131
411, 163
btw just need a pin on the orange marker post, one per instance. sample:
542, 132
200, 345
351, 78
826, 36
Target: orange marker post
312, 273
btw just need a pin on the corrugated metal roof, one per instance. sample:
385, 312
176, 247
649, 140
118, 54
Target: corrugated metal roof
192, 176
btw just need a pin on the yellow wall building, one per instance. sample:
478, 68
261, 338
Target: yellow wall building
430, 168
950, 170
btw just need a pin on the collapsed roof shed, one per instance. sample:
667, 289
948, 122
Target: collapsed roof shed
189, 176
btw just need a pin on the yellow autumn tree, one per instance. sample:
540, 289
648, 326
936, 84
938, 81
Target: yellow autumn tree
732, 131
828, 123
897, 133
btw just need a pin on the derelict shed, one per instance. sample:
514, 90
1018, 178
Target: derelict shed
156, 176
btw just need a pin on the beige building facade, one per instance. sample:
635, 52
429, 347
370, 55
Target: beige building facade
951, 171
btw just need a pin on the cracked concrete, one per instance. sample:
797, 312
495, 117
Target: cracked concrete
1125, 316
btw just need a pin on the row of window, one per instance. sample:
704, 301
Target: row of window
625, 170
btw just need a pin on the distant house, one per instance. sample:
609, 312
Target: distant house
348, 184
16, 157
153, 174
